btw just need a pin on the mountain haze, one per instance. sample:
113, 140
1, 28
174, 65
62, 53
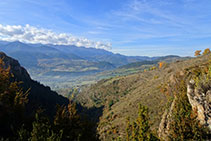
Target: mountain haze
62, 63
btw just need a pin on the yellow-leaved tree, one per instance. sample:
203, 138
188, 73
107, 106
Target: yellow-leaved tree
197, 53
206, 51
12, 103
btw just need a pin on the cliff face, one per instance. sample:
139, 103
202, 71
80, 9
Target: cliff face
40, 96
164, 126
201, 102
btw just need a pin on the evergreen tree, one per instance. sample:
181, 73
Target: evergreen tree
43, 131
16, 125
73, 126
67, 120
140, 129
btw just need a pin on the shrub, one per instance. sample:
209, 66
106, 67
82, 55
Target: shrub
111, 102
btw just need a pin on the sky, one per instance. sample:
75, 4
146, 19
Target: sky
129, 27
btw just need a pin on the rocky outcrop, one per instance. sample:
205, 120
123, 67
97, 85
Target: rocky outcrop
164, 127
201, 102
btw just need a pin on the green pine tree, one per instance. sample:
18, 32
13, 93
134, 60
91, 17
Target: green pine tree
139, 130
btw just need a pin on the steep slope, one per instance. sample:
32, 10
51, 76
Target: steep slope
189, 114
40, 95
121, 96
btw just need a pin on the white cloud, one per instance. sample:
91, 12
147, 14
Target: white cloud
30, 34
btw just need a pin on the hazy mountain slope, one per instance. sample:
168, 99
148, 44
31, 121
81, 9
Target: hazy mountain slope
45, 60
40, 95
57, 64
155, 61
121, 96
60, 66
68, 52
97, 55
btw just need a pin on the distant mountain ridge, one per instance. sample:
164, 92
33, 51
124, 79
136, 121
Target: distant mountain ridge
51, 64
91, 54
58, 60
32, 53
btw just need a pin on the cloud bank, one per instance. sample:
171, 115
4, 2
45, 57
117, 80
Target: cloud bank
31, 34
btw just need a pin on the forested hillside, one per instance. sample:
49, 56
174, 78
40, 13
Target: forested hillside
31, 111
40, 95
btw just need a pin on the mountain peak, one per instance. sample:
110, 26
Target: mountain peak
17, 44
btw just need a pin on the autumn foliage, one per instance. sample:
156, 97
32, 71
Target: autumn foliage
197, 53
12, 102
206, 51
161, 64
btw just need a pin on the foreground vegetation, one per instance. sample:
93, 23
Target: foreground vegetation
16, 124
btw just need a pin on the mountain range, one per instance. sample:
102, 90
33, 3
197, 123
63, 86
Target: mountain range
39, 55
52, 64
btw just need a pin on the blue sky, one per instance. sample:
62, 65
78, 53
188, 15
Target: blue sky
133, 27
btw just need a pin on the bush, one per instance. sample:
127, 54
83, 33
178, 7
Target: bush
111, 102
